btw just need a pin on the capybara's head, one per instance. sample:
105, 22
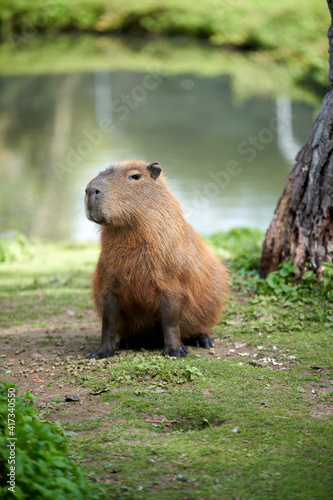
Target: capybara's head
121, 195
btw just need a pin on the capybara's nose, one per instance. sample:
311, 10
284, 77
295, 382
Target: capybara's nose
93, 191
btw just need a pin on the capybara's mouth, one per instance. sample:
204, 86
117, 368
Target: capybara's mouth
97, 219
93, 211
94, 216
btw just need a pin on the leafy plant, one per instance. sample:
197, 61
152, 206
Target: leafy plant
16, 248
242, 249
282, 283
43, 469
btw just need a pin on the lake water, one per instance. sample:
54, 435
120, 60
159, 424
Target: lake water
227, 161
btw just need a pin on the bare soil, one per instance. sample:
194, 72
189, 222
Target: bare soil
35, 357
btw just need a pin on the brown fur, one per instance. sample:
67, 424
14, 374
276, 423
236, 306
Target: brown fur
150, 255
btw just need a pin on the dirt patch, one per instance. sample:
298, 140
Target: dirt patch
35, 358
320, 396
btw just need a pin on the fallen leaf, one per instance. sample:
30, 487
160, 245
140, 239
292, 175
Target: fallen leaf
104, 389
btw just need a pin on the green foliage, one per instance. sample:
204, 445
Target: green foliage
291, 33
42, 467
237, 243
282, 283
241, 247
15, 249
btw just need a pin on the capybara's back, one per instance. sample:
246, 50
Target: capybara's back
156, 282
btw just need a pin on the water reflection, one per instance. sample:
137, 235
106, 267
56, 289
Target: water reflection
227, 161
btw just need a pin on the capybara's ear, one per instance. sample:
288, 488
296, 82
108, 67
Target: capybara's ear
154, 169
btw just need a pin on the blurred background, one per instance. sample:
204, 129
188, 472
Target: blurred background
222, 94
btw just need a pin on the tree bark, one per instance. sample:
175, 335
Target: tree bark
302, 226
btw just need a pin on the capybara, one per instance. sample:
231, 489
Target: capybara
156, 282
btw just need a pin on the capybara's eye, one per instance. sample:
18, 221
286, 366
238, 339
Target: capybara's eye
136, 177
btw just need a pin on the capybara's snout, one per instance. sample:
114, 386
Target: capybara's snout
94, 201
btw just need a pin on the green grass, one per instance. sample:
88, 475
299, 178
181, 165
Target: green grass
279, 451
286, 38
163, 428
46, 279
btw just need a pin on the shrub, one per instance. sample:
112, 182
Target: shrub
242, 249
43, 469
15, 248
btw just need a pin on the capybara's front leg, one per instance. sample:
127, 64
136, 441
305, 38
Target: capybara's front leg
110, 328
171, 331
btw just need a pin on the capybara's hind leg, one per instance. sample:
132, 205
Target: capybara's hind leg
201, 340
171, 330
124, 344
111, 323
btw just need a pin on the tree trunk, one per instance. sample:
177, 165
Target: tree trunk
302, 226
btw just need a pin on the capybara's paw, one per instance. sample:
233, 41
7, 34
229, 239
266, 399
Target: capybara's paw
100, 353
203, 340
123, 344
176, 352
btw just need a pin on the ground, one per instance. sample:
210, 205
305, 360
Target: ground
249, 419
